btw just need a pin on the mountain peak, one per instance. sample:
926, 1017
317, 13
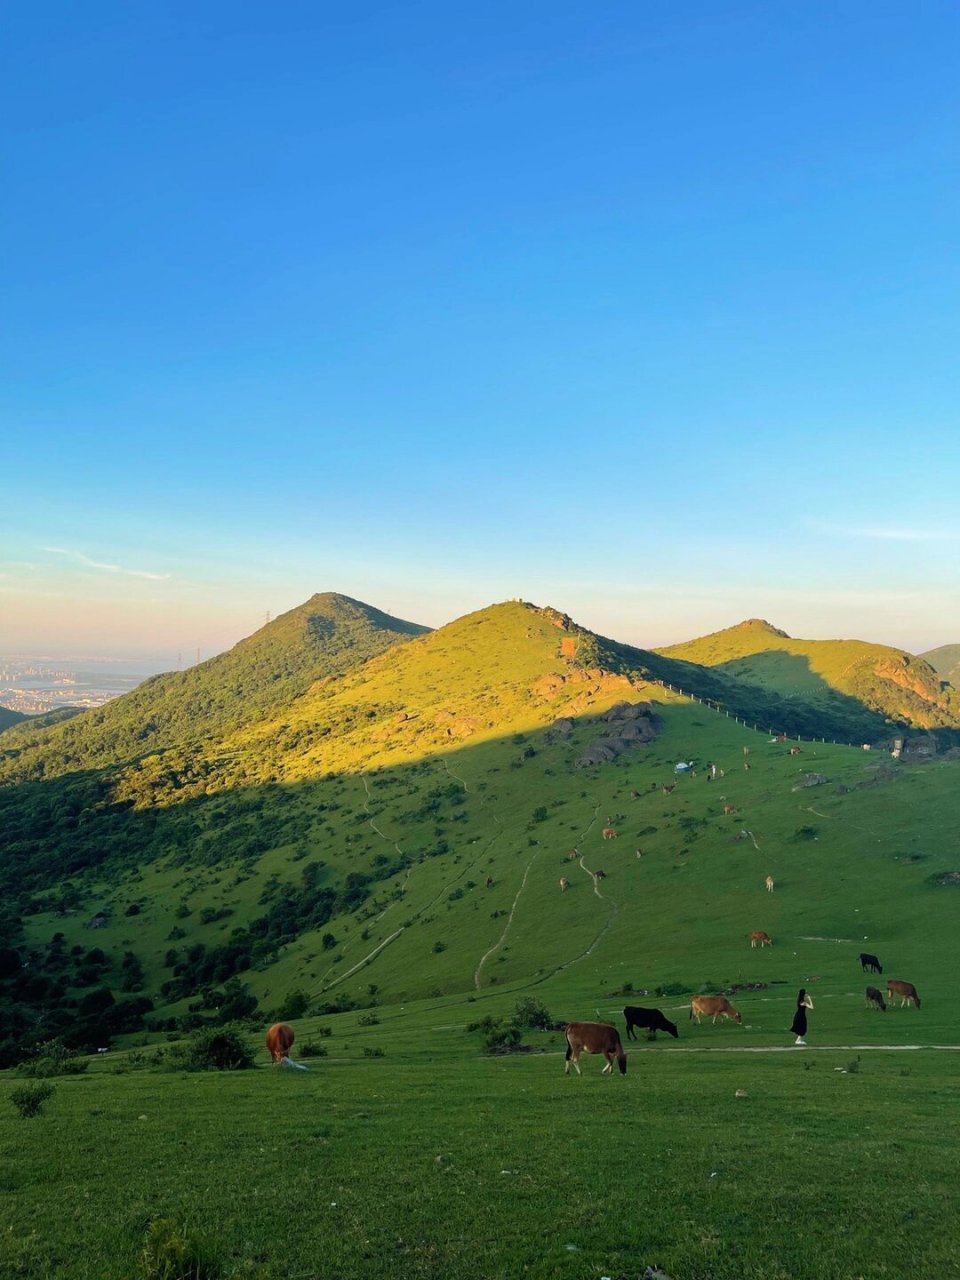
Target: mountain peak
760, 624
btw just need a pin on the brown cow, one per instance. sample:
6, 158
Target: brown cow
573, 855
715, 1006
564, 884
279, 1039
905, 990
595, 1037
668, 790
764, 939
609, 833
794, 751
875, 999
729, 808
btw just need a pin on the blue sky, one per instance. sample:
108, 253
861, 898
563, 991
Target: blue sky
647, 311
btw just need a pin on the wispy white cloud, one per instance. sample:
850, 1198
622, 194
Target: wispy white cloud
80, 558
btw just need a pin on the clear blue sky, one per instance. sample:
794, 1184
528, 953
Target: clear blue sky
644, 310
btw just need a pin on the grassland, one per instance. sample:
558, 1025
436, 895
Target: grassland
424, 806
434, 1161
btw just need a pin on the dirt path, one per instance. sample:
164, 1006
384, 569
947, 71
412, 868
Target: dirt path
506, 928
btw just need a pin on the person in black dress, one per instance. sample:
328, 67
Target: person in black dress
799, 1024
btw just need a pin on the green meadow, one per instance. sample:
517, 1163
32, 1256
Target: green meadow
380, 849
435, 1160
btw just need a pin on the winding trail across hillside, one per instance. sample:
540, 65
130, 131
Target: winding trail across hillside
372, 955
506, 928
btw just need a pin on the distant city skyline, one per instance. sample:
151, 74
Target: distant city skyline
650, 315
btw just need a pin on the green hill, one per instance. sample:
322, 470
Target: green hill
830, 677
320, 639
9, 718
397, 831
946, 662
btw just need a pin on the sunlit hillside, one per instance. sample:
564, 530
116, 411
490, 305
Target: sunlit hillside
400, 831
827, 674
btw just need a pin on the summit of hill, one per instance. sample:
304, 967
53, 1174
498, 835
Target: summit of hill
322, 638
878, 683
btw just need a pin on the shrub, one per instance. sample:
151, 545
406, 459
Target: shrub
501, 1038
529, 1012
368, 1020
29, 1098
309, 1050
294, 1006
372, 1053
172, 1253
217, 1049
43, 1068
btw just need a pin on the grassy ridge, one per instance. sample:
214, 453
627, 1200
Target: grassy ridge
826, 674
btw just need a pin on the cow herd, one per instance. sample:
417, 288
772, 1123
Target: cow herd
601, 1037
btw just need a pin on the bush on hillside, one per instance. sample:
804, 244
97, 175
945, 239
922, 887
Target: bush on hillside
52, 1058
29, 1098
529, 1012
214, 1049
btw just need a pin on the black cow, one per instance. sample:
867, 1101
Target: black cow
648, 1020
869, 962
875, 999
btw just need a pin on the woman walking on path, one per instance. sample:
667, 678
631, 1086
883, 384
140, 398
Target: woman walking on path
799, 1024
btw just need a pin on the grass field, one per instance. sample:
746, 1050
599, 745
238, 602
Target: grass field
435, 1161
407, 1151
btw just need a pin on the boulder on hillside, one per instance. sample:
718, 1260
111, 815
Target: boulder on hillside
811, 780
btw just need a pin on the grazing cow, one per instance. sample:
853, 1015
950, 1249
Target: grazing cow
769, 883
595, 1037
564, 884
279, 1040
609, 833
573, 855
761, 938
489, 882
715, 1007
729, 808
746, 765
598, 876
867, 961
875, 999
905, 990
794, 751
648, 1020
669, 790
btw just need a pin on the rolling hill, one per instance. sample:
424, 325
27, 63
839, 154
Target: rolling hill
946, 662
828, 675
396, 830
9, 718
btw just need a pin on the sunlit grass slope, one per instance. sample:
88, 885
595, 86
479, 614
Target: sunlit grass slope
893, 684
322, 638
407, 825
